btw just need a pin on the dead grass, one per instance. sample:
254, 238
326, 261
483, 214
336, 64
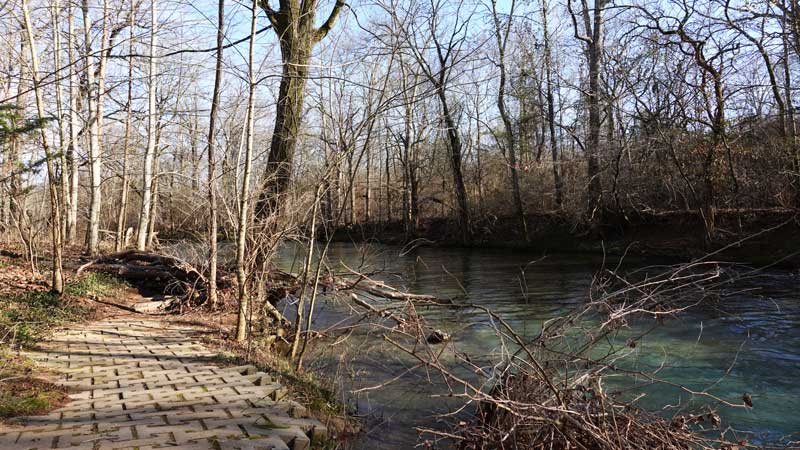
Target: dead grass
25, 390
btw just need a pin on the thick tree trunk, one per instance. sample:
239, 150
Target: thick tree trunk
296, 57
94, 97
294, 25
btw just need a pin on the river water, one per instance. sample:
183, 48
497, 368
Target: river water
748, 343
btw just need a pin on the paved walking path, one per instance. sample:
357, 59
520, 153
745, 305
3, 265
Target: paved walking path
146, 384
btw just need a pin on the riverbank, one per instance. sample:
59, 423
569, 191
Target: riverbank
758, 237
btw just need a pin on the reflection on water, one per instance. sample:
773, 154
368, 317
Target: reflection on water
750, 344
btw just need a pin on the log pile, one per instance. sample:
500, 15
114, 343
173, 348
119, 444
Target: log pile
165, 274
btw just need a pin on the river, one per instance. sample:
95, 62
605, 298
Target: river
750, 342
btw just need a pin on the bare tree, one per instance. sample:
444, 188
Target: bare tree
72, 156
551, 115
294, 25
447, 46
591, 34
709, 55
501, 31
57, 280
149, 155
94, 96
212, 163
244, 197
122, 212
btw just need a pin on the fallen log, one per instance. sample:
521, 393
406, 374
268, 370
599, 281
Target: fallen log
383, 290
379, 312
362, 283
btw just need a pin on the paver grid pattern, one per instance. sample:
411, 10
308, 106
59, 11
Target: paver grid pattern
146, 384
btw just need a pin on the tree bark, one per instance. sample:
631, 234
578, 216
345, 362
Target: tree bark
294, 26
94, 98
454, 147
62, 132
151, 224
595, 52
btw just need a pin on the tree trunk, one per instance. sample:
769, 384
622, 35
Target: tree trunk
151, 224
62, 132
122, 212
244, 201
94, 98
294, 25
551, 116
212, 164
147, 169
367, 198
501, 35
595, 50
478, 166
72, 155
57, 281
296, 57
454, 145
388, 188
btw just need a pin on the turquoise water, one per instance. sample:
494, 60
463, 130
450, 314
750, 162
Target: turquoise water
749, 342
